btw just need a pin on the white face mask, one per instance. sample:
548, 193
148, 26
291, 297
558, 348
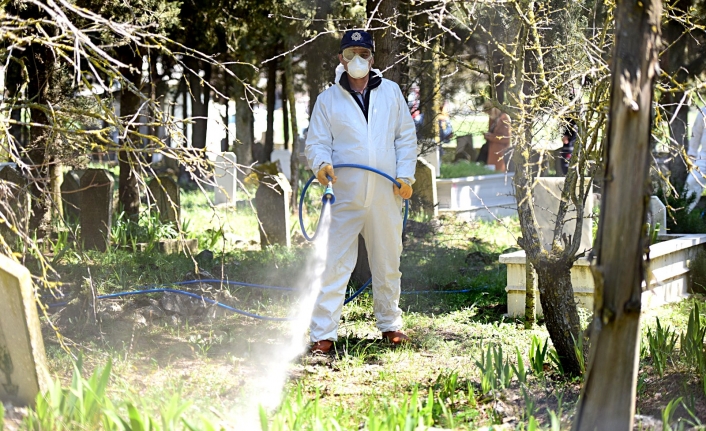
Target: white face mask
358, 68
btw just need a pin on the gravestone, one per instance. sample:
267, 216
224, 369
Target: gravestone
657, 213
167, 199
272, 206
432, 156
464, 149
547, 195
285, 159
424, 199
14, 200
71, 195
23, 363
96, 209
226, 176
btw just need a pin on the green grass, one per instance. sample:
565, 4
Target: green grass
463, 168
199, 372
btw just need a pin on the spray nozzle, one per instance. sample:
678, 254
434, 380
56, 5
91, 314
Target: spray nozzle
328, 193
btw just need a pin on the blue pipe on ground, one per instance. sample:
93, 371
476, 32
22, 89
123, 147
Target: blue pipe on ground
328, 199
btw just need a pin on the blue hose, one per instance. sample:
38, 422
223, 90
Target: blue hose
329, 202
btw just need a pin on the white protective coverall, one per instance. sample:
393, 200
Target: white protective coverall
696, 182
365, 202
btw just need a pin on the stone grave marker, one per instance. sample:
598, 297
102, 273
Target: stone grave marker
434, 158
96, 209
424, 199
23, 363
285, 160
657, 213
167, 198
547, 195
15, 199
272, 206
226, 176
71, 195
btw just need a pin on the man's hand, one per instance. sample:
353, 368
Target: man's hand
323, 172
405, 190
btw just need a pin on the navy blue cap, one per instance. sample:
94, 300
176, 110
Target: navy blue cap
357, 38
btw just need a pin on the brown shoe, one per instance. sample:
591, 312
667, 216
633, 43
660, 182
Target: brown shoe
396, 337
323, 346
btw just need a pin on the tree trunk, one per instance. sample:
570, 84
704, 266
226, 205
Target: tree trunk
128, 187
294, 160
285, 111
387, 46
530, 315
319, 66
244, 126
41, 68
271, 94
199, 103
430, 97
608, 396
559, 306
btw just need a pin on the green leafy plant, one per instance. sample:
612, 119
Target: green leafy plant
661, 344
556, 361
496, 371
519, 369
580, 353
692, 341
538, 355
668, 413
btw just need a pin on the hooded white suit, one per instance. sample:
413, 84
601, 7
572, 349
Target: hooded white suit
696, 182
365, 203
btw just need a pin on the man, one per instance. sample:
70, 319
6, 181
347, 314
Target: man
362, 119
695, 182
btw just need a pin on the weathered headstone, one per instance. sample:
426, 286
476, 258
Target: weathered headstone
23, 363
71, 195
285, 159
272, 205
464, 149
424, 198
96, 209
433, 157
167, 198
226, 177
657, 214
14, 202
547, 195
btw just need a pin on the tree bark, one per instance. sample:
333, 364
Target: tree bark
128, 186
556, 294
271, 94
430, 93
384, 14
201, 96
530, 315
608, 395
294, 160
244, 118
41, 67
285, 110
319, 66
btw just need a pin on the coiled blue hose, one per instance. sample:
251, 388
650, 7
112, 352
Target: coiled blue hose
327, 202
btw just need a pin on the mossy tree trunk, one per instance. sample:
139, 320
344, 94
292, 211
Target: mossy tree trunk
608, 395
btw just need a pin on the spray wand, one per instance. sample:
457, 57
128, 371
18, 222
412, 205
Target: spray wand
328, 193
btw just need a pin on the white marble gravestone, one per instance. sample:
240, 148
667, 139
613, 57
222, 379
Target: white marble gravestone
547, 195
226, 176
